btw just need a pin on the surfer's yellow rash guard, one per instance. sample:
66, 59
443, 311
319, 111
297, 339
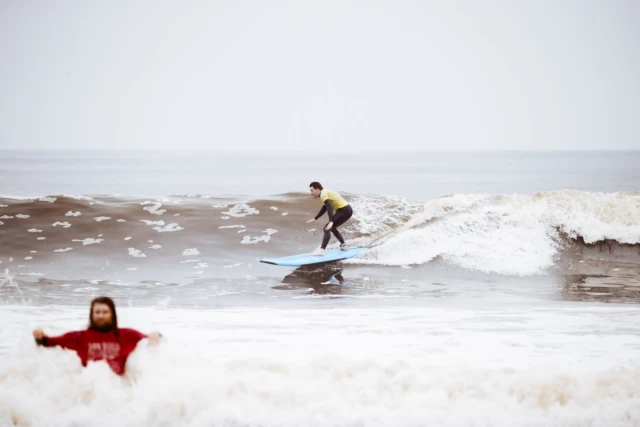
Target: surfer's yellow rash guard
331, 201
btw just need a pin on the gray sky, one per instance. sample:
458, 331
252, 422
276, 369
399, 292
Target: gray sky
343, 75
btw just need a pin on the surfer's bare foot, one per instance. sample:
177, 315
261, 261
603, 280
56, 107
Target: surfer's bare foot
318, 252
344, 247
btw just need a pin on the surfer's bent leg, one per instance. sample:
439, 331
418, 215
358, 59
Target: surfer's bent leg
341, 216
325, 238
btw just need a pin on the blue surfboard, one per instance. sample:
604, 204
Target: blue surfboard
308, 259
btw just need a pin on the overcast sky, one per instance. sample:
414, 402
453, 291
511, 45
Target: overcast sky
343, 75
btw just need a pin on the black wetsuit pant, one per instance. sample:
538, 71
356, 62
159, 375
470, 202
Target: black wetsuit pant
341, 216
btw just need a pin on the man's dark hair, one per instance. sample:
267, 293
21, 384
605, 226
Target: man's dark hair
316, 185
114, 317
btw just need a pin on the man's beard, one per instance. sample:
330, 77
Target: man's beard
104, 328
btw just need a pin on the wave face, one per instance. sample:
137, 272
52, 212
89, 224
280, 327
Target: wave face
511, 234
517, 234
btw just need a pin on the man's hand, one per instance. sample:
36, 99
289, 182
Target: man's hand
38, 334
328, 227
154, 338
311, 220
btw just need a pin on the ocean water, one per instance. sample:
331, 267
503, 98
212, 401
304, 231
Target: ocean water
499, 288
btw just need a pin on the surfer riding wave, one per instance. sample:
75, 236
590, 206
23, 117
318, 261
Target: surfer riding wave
339, 212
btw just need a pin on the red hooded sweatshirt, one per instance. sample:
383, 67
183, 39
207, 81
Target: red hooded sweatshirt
91, 345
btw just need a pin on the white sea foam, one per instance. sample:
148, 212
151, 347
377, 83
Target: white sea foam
507, 234
154, 208
88, 241
241, 210
248, 240
136, 253
330, 367
169, 227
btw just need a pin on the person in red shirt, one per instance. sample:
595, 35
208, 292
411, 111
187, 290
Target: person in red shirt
103, 340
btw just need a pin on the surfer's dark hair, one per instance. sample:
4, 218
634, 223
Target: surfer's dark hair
316, 185
114, 317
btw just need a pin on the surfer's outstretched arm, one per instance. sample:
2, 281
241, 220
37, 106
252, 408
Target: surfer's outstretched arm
322, 211
326, 208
